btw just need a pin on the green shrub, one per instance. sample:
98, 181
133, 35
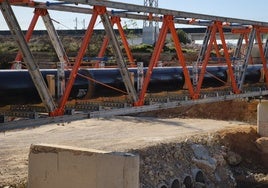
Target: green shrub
145, 48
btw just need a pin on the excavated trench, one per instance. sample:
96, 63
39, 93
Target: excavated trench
229, 158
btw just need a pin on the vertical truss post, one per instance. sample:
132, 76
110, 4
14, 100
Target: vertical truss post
102, 50
140, 76
119, 56
154, 58
227, 58
29, 32
56, 42
27, 56
78, 60
246, 59
263, 54
206, 51
60, 79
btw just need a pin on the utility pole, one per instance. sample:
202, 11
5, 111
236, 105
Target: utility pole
75, 20
84, 24
150, 28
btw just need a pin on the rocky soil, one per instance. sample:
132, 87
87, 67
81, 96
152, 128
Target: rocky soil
174, 152
227, 158
236, 110
233, 156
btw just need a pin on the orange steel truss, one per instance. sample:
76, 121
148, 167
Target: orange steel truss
217, 27
98, 10
214, 28
78, 60
168, 24
263, 58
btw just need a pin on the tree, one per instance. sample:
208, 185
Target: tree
183, 37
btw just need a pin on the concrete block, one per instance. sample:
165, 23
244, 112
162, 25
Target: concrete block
262, 119
69, 167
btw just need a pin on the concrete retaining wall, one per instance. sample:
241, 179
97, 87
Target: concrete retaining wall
262, 119
68, 167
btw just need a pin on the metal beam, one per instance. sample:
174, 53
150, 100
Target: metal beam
56, 42
182, 19
119, 57
160, 11
27, 56
28, 34
246, 59
168, 105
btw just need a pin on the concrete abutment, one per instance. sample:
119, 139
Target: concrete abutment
262, 118
68, 167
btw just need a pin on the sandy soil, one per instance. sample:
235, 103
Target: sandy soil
117, 134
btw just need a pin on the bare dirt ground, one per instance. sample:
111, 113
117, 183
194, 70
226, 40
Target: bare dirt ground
142, 133
116, 134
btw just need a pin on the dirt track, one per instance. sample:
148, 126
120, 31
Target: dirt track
117, 134
143, 135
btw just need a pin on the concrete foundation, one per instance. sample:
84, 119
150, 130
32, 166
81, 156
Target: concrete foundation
262, 119
68, 167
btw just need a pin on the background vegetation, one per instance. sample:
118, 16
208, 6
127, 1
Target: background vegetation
43, 50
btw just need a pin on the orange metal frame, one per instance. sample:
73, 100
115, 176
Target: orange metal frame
116, 20
216, 27
168, 24
227, 58
263, 58
97, 10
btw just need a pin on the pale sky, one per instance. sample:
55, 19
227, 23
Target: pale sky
244, 9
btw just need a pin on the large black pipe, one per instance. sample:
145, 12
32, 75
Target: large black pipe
162, 79
16, 86
215, 76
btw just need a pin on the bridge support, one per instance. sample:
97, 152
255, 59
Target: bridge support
61, 167
262, 118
